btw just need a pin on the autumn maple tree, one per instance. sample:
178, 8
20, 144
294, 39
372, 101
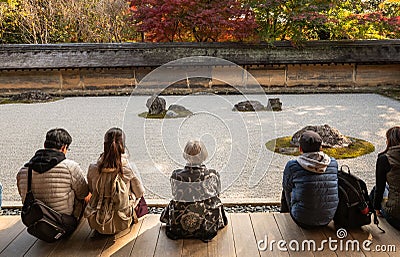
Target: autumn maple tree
193, 20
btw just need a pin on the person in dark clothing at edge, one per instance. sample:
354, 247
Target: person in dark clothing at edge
310, 184
386, 193
56, 180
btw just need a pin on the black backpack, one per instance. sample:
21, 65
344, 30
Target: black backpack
42, 221
355, 207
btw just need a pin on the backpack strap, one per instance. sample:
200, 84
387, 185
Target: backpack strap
29, 178
376, 222
100, 191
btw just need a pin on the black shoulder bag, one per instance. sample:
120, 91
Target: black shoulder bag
42, 221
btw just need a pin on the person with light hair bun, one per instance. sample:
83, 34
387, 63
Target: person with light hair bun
196, 210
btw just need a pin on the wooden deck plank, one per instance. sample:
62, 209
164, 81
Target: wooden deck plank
330, 231
317, 236
238, 238
194, 248
94, 243
123, 243
75, 244
222, 245
291, 231
146, 241
41, 248
265, 228
243, 235
8, 221
19, 245
372, 233
390, 237
9, 233
167, 247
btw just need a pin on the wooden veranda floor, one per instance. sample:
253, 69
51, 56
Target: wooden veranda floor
239, 238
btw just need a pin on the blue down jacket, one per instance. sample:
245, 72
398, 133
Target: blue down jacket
313, 196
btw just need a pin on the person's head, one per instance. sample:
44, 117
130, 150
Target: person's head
310, 141
392, 137
114, 147
195, 152
58, 139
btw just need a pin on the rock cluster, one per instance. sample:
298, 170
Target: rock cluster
34, 96
274, 104
331, 137
156, 106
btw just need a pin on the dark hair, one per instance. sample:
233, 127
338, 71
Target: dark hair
114, 147
57, 138
310, 141
393, 137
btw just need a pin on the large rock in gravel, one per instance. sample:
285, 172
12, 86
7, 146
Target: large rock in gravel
249, 106
331, 137
274, 104
156, 105
177, 108
35, 95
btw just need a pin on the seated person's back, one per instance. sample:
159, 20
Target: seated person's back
310, 184
196, 210
57, 181
111, 207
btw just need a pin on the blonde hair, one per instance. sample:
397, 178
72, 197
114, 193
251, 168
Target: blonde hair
195, 152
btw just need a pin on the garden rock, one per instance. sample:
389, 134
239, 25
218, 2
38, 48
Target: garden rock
331, 137
249, 106
171, 114
177, 108
274, 104
156, 105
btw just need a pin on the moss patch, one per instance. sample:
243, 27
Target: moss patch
9, 101
181, 114
359, 147
393, 92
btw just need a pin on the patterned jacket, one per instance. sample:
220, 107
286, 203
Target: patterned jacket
196, 210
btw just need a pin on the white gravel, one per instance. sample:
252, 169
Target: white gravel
235, 140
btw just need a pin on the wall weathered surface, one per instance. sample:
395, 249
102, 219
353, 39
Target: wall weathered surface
66, 67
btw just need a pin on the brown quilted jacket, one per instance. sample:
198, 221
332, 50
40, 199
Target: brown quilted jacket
62, 188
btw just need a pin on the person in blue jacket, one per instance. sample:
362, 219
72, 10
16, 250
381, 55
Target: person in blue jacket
310, 184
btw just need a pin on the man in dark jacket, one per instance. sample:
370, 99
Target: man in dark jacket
310, 184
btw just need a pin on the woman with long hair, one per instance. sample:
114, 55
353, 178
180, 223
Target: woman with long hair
115, 188
195, 210
388, 179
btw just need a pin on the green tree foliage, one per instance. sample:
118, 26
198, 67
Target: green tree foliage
290, 20
377, 19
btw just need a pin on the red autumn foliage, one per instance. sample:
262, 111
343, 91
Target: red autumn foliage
193, 20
